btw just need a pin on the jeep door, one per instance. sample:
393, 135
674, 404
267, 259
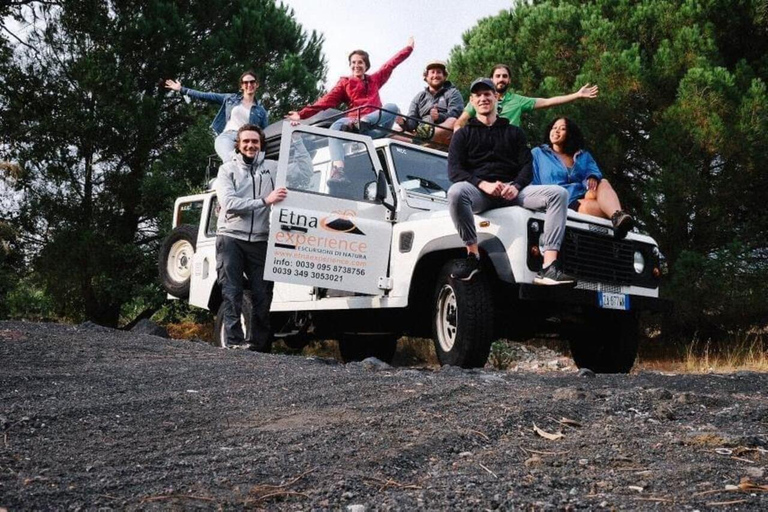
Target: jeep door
331, 231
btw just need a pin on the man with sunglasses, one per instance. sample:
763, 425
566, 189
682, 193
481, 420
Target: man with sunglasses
237, 109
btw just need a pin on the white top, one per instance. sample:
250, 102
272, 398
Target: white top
240, 116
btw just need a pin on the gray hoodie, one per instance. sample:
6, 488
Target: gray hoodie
241, 189
448, 101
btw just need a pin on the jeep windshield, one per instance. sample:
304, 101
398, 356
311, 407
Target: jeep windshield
421, 171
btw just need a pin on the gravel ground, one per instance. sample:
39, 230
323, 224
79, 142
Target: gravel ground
102, 419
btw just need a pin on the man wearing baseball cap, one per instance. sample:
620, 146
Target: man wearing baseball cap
439, 103
489, 164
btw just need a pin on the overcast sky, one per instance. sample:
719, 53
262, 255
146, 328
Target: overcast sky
382, 27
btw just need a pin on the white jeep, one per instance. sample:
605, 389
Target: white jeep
367, 259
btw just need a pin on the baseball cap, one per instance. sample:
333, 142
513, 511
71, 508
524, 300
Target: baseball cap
482, 83
436, 64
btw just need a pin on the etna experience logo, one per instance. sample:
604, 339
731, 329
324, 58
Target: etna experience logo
341, 221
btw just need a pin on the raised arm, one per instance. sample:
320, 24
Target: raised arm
384, 72
334, 97
586, 92
212, 97
173, 85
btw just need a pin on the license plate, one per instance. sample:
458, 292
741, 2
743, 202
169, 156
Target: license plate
609, 300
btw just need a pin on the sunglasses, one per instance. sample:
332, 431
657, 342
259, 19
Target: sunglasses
248, 82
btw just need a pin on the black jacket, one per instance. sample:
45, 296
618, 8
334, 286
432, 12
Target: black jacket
490, 153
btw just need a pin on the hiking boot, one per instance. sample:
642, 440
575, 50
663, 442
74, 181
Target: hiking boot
622, 223
553, 276
466, 269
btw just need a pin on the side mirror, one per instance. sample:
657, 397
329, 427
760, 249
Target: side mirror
371, 191
376, 190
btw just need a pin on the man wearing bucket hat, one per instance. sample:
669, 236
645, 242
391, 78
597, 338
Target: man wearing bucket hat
440, 103
489, 164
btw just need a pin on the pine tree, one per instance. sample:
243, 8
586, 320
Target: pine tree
679, 126
104, 148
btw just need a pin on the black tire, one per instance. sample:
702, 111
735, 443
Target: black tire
356, 347
300, 321
608, 344
174, 262
219, 340
462, 319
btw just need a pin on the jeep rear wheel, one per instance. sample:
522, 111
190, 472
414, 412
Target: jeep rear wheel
175, 260
462, 319
608, 344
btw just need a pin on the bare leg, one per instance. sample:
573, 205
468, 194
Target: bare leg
444, 133
549, 258
605, 205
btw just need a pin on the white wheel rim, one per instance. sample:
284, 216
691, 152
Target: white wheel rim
447, 318
179, 265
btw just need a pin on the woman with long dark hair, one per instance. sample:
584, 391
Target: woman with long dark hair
565, 162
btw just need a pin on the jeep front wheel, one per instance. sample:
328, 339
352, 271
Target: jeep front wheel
175, 260
462, 319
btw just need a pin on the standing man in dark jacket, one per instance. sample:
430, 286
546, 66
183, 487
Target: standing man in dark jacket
439, 103
490, 165
245, 188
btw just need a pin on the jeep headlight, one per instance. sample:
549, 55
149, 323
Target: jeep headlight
639, 262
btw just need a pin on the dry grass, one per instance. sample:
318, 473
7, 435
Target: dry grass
740, 351
318, 348
416, 352
189, 330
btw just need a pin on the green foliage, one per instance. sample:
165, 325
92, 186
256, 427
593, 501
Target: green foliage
679, 127
28, 300
105, 148
501, 357
11, 265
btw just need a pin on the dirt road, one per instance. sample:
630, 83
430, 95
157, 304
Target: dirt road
114, 420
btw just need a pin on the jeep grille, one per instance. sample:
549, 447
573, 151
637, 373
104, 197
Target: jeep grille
593, 257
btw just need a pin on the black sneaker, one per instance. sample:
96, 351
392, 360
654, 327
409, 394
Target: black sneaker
466, 269
622, 223
553, 276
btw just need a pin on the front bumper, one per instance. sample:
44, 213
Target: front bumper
564, 295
